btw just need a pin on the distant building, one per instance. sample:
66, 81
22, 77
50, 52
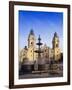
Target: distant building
28, 53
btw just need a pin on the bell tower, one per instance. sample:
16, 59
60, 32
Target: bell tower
55, 41
56, 49
31, 39
31, 45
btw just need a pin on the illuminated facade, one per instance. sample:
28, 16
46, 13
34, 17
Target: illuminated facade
28, 53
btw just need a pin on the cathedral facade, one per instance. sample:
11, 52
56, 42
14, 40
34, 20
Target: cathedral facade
28, 52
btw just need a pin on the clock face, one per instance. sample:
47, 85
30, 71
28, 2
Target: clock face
31, 43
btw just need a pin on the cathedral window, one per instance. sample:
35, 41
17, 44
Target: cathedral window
31, 50
56, 45
24, 54
31, 43
45, 50
57, 56
57, 51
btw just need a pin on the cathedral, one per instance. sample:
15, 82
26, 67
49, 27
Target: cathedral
28, 54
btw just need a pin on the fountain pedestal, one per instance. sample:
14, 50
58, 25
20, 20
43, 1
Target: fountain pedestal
39, 51
35, 65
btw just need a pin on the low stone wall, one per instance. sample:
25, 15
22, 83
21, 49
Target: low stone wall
41, 67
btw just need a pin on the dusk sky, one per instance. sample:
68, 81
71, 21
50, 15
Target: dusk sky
44, 24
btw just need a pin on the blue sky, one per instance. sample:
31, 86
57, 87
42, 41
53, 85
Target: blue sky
43, 23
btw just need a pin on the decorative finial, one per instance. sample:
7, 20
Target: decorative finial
39, 38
